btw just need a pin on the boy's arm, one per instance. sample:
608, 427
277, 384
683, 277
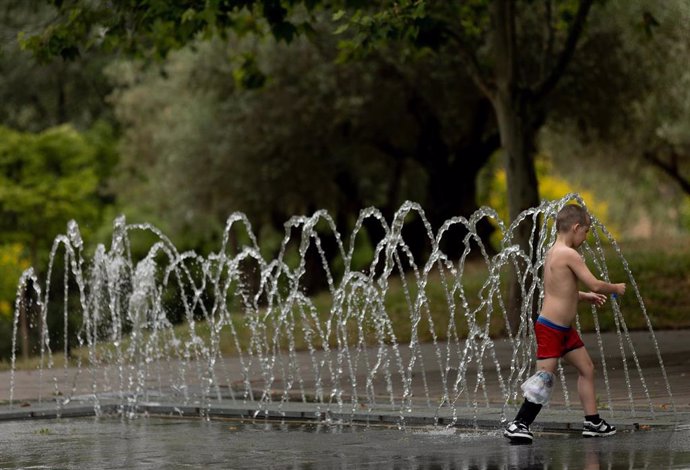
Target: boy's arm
592, 298
584, 275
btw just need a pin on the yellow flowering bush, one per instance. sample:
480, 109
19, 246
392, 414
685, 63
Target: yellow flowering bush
12, 263
551, 187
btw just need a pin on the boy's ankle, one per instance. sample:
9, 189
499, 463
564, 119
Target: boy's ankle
594, 419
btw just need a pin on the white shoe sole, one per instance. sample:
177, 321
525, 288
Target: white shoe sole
598, 434
517, 436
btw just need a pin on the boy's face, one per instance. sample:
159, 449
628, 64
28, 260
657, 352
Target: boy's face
581, 232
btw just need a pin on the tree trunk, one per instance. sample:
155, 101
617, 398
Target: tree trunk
513, 109
518, 131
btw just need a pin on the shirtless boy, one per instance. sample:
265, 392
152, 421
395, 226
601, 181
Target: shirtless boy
556, 338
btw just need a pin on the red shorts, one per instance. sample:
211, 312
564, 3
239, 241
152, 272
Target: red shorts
555, 340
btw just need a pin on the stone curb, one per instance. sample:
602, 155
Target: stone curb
551, 420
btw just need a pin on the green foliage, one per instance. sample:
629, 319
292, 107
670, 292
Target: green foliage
414, 24
201, 141
248, 75
625, 104
46, 179
101, 136
153, 28
619, 68
36, 96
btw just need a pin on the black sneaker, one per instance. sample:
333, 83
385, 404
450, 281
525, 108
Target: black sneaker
518, 431
602, 429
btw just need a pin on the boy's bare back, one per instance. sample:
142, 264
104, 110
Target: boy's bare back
560, 285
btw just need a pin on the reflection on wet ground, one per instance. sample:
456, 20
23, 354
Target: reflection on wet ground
110, 443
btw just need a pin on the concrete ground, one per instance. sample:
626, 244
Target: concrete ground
646, 403
156, 443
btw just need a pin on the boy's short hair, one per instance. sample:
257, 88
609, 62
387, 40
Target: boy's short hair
570, 215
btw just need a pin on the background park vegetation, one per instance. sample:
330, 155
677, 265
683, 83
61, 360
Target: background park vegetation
180, 113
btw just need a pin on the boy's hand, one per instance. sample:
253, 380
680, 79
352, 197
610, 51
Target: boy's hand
593, 298
620, 288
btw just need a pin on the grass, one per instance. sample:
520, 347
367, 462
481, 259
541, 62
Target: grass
660, 270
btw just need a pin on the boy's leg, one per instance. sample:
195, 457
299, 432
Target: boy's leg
593, 426
528, 411
585, 382
518, 429
549, 364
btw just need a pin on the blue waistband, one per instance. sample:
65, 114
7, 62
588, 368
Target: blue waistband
551, 324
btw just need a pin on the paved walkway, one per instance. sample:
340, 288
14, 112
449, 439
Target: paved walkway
645, 403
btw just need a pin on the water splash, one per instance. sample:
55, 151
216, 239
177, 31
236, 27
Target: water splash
248, 333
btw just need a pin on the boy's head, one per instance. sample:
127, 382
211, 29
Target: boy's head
571, 215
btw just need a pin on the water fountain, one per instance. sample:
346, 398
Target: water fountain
252, 340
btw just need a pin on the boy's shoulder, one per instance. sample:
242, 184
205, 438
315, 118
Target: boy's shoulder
562, 252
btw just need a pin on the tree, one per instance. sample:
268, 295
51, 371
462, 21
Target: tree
374, 131
46, 179
38, 95
623, 112
516, 53
516, 72
660, 113
152, 29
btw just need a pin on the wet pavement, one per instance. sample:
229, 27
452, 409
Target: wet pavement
153, 443
654, 427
